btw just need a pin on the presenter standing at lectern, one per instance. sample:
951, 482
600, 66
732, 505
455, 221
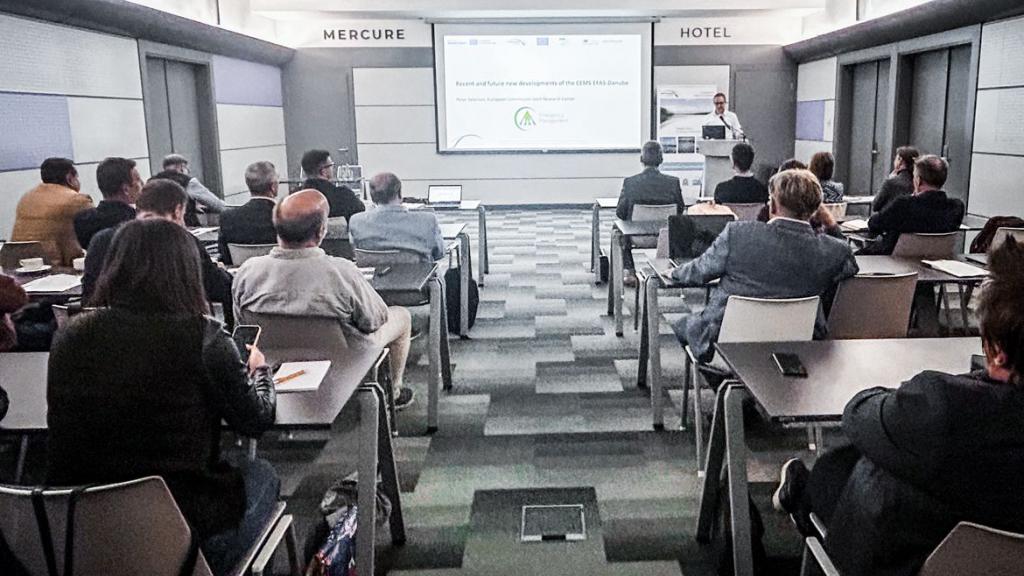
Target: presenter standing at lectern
723, 117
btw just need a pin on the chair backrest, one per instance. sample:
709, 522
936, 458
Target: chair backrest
337, 227
975, 550
242, 252
340, 247
690, 235
837, 210
1003, 233
769, 320
746, 212
295, 338
652, 212
120, 529
663, 243
926, 245
12, 252
384, 257
61, 315
872, 307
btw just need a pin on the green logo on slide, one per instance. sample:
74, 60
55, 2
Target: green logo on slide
524, 118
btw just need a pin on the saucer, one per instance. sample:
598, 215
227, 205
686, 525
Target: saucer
43, 268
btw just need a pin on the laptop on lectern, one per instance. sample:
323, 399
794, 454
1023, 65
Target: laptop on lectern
713, 132
444, 196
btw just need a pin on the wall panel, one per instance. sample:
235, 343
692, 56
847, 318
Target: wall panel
393, 86
396, 124
234, 162
995, 185
51, 59
103, 127
33, 127
250, 126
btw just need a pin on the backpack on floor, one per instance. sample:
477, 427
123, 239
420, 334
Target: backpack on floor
453, 291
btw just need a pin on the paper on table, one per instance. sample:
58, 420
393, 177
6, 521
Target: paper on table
53, 283
367, 272
956, 268
310, 381
197, 232
855, 225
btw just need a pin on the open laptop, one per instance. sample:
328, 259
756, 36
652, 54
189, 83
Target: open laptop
444, 195
713, 132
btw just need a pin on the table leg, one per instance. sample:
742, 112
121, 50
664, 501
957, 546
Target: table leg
595, 242
736, 470
963, 307
611, 274
389, 470
641, 366
944, 303
710, 486
464, 278
19, 466
435, 336
366, 515
654, 351
485, 266
616, 280
446, 357
698, 417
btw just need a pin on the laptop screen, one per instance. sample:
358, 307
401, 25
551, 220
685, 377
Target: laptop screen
444, 194
713, 132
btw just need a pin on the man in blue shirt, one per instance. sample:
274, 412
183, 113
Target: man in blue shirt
392, 226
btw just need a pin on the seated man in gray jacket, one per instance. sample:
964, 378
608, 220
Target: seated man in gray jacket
391, 226
782, 258
298, 279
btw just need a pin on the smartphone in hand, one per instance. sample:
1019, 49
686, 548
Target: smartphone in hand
245, 336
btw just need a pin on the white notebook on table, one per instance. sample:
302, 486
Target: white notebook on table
858, 225
53, 283
956, 268
313, 374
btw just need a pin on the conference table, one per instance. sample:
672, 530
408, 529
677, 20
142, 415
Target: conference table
837, 370
457, 233
655, 277
622, 231
24, 375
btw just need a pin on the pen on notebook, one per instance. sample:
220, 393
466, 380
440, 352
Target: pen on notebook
291, 376
383, 270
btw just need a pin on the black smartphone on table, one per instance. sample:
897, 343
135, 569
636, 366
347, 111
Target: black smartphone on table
245, 336
789, 364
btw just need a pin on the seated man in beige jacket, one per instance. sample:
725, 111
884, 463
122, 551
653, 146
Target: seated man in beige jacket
46, 213
299, 279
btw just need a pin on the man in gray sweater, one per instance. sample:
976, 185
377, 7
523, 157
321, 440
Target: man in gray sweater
298, 278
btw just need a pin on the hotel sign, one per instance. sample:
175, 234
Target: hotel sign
772, 30
354, 34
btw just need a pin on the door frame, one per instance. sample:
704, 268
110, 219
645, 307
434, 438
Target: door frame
209, 134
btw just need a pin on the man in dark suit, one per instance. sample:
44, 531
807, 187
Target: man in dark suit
742, 188
938, 450
928, 210
252, 222
781, 258
649, 187
120, 184
319, 169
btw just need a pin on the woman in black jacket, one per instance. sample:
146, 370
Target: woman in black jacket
141, 386
938, 450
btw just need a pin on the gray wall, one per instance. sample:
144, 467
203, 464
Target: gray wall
320, 109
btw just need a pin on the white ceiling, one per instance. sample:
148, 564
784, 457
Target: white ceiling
520, 9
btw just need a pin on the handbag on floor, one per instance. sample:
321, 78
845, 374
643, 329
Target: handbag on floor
335, 535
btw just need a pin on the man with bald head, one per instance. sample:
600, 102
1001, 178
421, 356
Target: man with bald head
391, 226
298, 278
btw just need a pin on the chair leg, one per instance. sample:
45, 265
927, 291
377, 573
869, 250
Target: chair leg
294, 559
811, 437
964, 301
698, 420
687, 367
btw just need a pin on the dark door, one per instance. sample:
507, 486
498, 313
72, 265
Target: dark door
868, 126
173, 114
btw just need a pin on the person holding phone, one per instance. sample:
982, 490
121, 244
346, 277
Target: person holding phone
142, 385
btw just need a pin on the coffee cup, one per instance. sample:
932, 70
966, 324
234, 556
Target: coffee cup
78, 264
31, 263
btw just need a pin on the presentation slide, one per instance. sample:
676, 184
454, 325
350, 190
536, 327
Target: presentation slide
542, 91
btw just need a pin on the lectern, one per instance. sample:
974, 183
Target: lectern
717, 162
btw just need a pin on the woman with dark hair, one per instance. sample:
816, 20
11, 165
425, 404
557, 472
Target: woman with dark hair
822, 165
140, 387
938, 450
